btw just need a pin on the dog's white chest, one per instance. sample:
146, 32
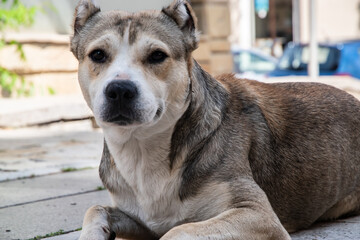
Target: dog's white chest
147, 188
155, 203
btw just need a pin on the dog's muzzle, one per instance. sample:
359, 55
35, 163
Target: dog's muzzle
120, 107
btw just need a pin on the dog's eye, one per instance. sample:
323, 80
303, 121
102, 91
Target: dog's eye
98, 56
157, 57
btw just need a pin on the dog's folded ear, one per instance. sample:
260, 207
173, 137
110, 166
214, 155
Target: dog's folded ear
181, 12
84, 10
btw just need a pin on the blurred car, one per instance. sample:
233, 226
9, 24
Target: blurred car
251, 63
342, 59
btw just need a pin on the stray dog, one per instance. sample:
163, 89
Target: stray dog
188, 156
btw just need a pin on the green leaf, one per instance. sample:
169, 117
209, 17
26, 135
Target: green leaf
14, 14
51, 91
17, 15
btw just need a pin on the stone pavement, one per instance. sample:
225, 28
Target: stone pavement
48, 178
48, 204
48, 174
38, 110
343, 229
36, 151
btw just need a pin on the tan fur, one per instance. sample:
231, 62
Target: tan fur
350, 205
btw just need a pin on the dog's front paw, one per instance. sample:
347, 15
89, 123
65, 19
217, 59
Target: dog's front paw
102, 233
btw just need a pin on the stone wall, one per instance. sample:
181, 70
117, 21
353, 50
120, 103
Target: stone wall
214, 23
336, 20
49, 62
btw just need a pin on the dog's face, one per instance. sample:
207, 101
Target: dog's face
134, 68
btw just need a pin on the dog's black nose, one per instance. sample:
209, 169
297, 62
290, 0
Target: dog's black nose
122, 91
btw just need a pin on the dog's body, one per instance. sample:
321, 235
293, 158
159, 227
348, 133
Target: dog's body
190, 157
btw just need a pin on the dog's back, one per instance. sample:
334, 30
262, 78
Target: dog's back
305, 147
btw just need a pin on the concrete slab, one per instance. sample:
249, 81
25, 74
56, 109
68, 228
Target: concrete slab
30, 111
41, 218
48, 187
344, 229
48, 149
69, 236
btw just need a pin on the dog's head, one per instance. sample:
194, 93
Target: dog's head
134, 69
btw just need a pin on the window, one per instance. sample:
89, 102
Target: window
297, 58
250, 62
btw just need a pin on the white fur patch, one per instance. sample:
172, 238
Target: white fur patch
85, 9
183, 14
95, 3
81, 11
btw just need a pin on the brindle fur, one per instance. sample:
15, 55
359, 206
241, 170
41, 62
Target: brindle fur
245, 154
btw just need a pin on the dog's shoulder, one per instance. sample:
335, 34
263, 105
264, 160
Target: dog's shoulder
256, 102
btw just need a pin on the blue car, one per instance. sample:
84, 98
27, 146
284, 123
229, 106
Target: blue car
342, 59
252, 63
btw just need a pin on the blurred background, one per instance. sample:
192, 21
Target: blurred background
50, 146
254, 38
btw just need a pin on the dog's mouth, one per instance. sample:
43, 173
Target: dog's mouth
120, 120
130, 118
120, 116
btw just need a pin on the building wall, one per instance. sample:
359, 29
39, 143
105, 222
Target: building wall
242, 19
213, 53
58, 14
336, 20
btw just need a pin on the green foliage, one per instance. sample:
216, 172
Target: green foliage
69, 169
18, 46
100, 188
14, 14
51, 91
10, 82
53, 234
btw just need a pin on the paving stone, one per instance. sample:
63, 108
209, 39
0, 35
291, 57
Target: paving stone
45, 187
344, 229
37, 110
69, 236
41, 218
50, 149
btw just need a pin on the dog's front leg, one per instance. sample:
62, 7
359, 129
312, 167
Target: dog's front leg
105, 223
96, 224
246, 223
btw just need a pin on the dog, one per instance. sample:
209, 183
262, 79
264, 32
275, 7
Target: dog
188, 156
